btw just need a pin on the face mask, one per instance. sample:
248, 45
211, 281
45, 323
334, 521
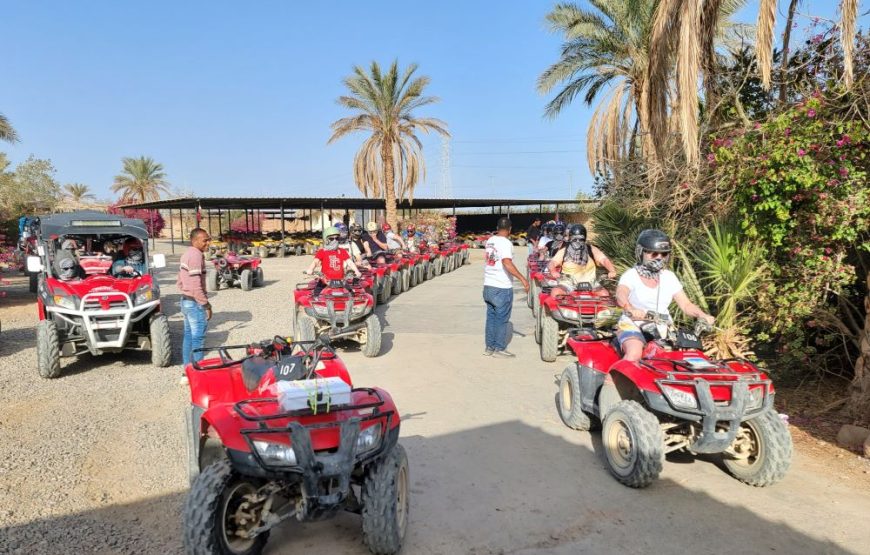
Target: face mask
654, 265
135, 257
558, 237
578, 243
331, 244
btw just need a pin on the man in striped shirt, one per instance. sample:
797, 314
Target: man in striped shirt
194, 303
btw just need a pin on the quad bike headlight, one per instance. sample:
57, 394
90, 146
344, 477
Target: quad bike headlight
143, 295
607, 318
321, 310
359, 309
63, 301
569, 314
368, 439
679, 398
275, 453
756, 398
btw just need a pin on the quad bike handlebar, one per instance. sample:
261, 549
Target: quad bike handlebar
267, 348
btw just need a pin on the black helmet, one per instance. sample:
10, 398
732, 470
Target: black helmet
651, 240
548, 228
558, 229
577, 232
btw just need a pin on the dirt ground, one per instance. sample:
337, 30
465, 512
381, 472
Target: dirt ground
94, 463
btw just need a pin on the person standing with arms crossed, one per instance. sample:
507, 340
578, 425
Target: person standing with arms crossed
194, 302
498, 292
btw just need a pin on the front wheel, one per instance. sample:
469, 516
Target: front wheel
372, 346
386, 289
210, 519
549, 336
406, 279
259, 278
385, 501
47, 349
306, 330
437, 266
633, 444
762, 451
161, 349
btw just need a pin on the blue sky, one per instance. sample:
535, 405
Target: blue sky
236, 98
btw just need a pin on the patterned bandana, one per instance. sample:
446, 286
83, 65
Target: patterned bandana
577, 252
651, 268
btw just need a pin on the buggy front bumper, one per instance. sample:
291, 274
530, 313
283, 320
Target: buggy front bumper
94, 320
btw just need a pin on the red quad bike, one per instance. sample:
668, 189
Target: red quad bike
586, 307
416, 271
343, 309
232, 269
398, 272
674, 399
95, 312
383, 281
426, 258
276, 430
540, 282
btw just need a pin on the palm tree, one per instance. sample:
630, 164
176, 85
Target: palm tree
685, 30
390, 161
7, 132
76, 192
605, 51
142, 179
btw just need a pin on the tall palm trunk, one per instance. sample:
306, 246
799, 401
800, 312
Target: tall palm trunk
389, 183
786, 38
859, 404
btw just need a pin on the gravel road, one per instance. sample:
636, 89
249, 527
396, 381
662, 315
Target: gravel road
93, 462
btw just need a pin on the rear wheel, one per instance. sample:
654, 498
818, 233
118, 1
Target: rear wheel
259, 278
531, 294
372, 347
569, 401
437, 266
412, 278
211, 520
762, 451
430, 270
406, 279
538, 328
549, 336
161, 348
633, 444
385, 503
47, 349
246, 279
306, 329
211, 281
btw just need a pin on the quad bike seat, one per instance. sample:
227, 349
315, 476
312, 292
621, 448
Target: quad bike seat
285, 368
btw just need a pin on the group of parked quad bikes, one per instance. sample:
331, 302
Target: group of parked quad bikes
272, 243
675, 398
275, 429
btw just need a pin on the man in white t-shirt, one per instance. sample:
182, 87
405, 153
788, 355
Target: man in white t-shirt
498, 292
394, 240
648, 287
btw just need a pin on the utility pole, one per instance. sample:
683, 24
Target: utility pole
445, 186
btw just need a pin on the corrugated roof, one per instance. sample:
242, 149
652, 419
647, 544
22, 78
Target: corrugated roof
275, 203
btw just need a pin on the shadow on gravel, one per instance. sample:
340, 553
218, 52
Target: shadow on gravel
13, 340
505, 488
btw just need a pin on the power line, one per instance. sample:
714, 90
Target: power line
521, 152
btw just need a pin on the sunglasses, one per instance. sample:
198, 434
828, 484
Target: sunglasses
332, 238
656, 254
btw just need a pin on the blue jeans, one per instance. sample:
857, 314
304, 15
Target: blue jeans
195, 324
499, 303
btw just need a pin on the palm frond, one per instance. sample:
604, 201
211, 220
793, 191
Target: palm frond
7, 132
